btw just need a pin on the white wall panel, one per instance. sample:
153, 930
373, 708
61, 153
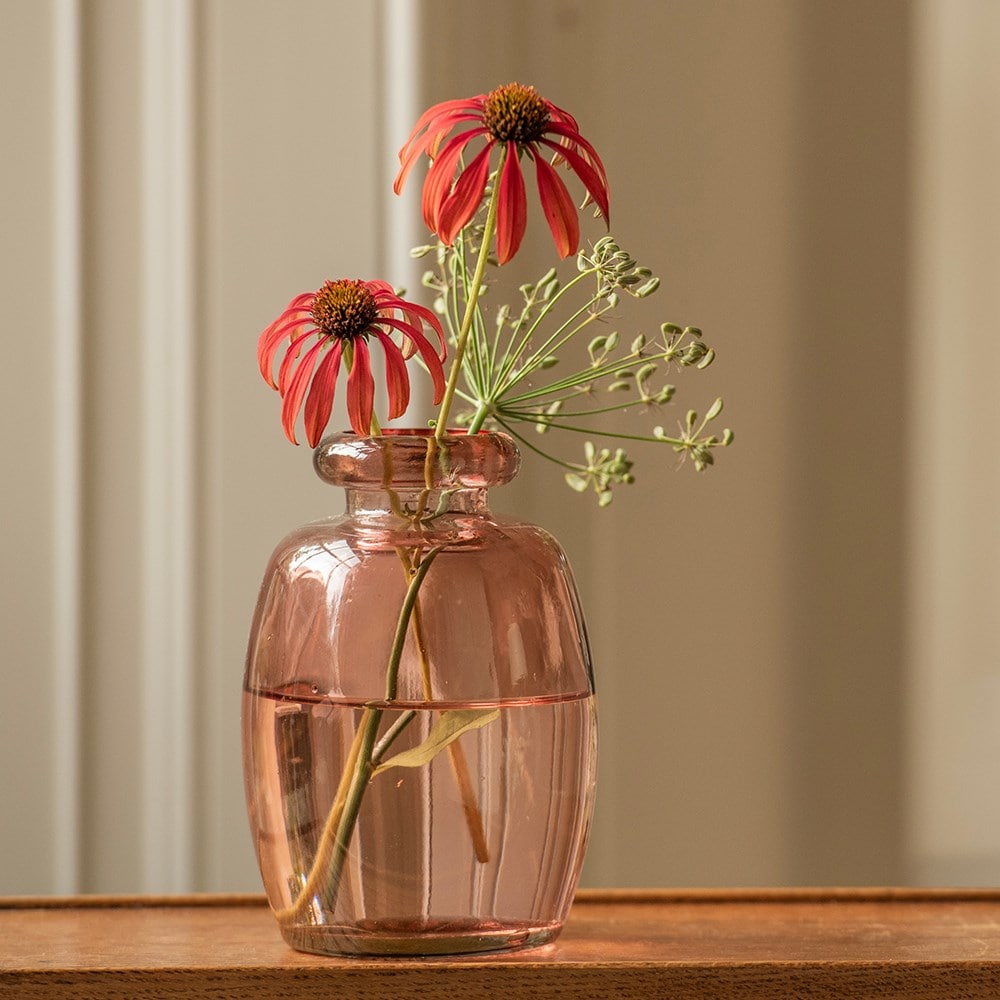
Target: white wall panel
168, 586
37, 674
954, 738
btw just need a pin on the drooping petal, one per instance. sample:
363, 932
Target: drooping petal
588, 168
437, 189
319, 402
562, 115
427, 353
291, 401
429, 144
464, 201
571, 137
396, 312
512, 206
270, 340
361, 389
437, 112
437, 184
410, 333
397, 381
415, 313
560, 212
382, 290
293, 351
439, 179
438, 120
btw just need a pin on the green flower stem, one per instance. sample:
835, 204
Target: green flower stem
371, 719
460, 768
617, 436
511, 356
396, 654
339, 828
541, 418
477, 374
552, 347
580, 378
383, 745
483, 411
538, 451
441, 431
515, 331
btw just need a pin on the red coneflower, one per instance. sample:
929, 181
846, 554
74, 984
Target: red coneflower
518, 120
343, 314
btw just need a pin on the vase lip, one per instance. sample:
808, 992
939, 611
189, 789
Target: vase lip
397, 457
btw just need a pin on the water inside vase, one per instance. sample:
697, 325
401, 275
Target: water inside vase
476, 846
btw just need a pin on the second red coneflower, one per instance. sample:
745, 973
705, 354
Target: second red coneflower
343, 315
518, 120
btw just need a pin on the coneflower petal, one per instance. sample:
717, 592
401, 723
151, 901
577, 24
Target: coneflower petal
431, 361
562, 115
411, 333
292, 398
437, 185
512, 207
361, 389
398, 310
292, 352
589, 169
572, 137
397, 381
437, 117
270, 340
415, 313
319, 402
560, 212
463, 202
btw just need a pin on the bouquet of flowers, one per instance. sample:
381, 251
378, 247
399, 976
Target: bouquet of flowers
505, 367
511, 369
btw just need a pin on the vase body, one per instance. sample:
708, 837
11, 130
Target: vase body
419, 723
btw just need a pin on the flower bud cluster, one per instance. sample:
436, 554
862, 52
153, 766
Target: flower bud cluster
616, 270
602, 470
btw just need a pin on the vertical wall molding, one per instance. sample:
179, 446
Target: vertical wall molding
398, 31
169, 459
66, 446
954, 742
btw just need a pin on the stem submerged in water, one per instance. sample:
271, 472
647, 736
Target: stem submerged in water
327, 869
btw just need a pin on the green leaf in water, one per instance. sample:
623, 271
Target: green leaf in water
448, 727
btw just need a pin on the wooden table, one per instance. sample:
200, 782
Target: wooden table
815, 944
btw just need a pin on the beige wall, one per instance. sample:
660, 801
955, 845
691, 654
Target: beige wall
787, 647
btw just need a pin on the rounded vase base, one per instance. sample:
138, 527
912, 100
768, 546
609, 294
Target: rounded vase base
460, 936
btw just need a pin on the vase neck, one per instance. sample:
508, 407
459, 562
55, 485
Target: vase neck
412, 504
424, 473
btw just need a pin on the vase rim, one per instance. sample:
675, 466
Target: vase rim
397, 458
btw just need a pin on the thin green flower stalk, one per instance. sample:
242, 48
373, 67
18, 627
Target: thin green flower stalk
472, 291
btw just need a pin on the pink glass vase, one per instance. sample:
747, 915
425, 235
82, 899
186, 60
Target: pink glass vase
419, 728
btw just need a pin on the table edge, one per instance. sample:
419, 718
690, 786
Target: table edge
584, 897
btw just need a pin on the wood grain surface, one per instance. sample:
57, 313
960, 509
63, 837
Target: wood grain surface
811, 944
